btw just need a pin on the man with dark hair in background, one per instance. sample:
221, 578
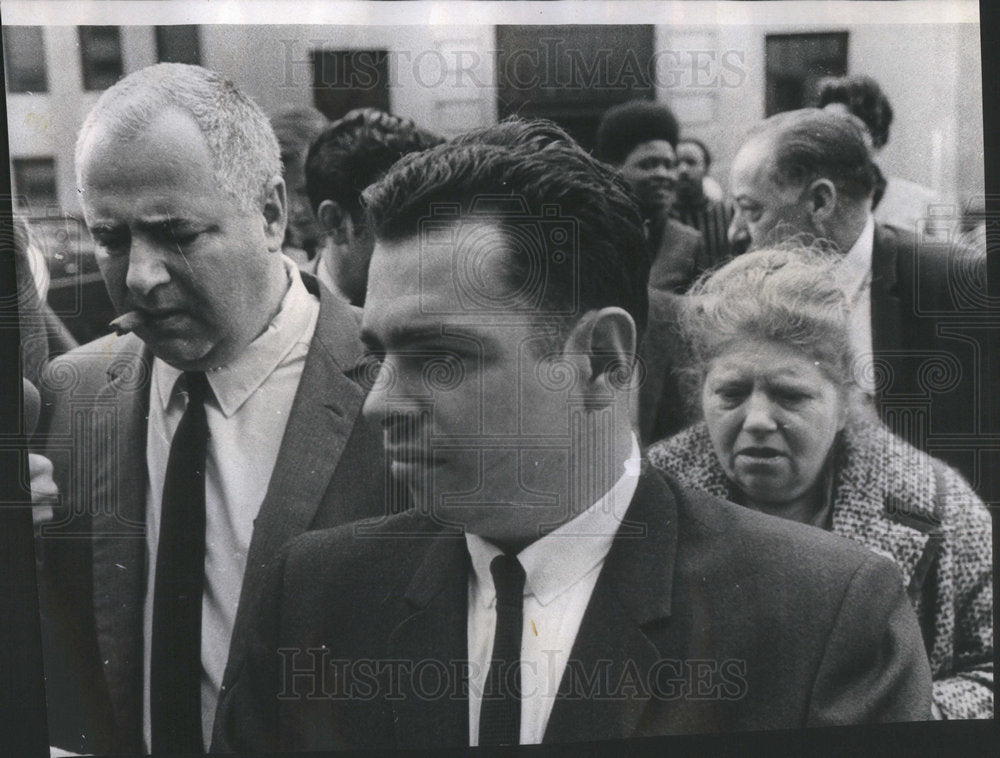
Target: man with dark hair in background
549, 585
351, 154
639, 138
895, 201
694, 207
809, 172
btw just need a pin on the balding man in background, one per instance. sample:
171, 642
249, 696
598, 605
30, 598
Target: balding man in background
810, 172
192, 448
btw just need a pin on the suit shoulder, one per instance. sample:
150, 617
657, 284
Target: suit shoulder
769, 545
94, 362
363, 543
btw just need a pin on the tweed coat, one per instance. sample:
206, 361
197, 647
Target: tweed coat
902, 504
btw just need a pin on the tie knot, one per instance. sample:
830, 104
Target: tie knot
196, 385
508, 580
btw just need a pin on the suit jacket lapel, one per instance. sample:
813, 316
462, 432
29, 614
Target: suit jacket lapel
323, 414
887, 336
613, 651
118, 419
434, 628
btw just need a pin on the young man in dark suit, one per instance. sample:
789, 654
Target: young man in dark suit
190, 449
549, 586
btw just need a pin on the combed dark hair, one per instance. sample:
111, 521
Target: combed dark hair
629, 124
529, 170
701, 146
355, 151
812, 143
864, 98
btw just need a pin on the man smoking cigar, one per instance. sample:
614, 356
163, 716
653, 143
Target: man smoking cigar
224, 410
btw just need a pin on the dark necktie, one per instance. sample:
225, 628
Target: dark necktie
175, 660
500, 715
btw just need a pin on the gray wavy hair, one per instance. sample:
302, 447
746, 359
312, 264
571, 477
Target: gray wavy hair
789, 294
244, 150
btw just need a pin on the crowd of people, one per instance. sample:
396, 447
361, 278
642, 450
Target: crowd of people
405, 442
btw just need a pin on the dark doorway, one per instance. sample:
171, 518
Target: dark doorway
572, 74
347, 79
795, 65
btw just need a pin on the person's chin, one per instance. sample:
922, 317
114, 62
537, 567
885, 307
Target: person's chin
180, 352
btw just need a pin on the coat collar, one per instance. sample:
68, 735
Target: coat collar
323, 414
632, 593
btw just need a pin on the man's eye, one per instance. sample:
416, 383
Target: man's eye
113, 244
180, 237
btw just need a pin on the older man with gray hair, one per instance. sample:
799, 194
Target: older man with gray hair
221, 420
810, 172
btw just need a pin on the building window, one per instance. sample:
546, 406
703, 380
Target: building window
795, 65
347, 79
572, 74
24, 56
178, 44
101, 54
35, 183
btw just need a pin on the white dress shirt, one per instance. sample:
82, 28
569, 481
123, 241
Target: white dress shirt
856, 270
561, 569
246, 412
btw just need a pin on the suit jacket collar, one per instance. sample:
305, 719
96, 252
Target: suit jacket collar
323, 414
887, 336
632, 595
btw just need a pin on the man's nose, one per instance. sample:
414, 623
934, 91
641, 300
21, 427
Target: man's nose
146, 268
738, 233
760, 416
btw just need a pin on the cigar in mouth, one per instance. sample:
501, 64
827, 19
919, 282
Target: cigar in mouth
127, 322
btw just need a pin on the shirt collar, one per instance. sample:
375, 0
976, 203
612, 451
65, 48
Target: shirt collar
557, 561
234, 383
858, 261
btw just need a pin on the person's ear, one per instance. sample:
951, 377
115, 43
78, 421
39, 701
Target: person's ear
275, 213
822, 197
602, 345
336, 222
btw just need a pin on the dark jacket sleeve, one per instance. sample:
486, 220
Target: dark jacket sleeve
874, 668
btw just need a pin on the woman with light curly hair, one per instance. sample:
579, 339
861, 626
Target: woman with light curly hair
786, 431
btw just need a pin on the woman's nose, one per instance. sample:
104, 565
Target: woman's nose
760, 416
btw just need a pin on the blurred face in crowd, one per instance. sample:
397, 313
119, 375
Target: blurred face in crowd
773, 416
171, 244
651, 171
303, 229
690, 169
468, 405
766, 212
